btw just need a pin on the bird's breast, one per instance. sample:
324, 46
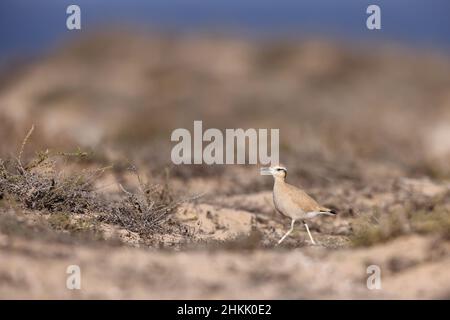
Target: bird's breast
284, 204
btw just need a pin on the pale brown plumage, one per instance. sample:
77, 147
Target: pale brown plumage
297, 198
293, 202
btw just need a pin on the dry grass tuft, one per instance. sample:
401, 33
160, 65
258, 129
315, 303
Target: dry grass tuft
147, 210
38, 185
430, 216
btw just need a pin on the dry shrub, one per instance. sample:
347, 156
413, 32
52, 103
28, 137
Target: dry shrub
39, 185
62, 221
370, 230
146, 210
426, 215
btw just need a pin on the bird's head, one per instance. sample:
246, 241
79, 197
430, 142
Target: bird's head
275, 171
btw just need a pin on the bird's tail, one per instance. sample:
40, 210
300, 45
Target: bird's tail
330, 212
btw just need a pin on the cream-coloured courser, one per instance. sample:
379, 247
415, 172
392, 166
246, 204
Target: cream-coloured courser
293, 202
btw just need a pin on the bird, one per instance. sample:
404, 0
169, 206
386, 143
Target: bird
293, 202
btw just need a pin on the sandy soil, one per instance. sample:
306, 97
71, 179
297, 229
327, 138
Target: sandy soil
412, 268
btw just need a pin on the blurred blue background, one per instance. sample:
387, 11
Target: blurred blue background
28, 27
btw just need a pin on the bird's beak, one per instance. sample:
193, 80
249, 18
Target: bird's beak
266, 171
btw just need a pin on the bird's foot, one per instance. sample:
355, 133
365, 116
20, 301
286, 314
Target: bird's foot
313, 243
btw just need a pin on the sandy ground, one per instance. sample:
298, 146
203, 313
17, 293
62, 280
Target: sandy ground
234, 256
412, 268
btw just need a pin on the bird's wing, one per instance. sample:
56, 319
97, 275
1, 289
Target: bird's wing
302, 199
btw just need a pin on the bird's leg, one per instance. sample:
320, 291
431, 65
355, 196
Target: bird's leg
309, 233
287, 233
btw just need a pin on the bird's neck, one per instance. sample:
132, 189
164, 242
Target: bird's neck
279, 180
